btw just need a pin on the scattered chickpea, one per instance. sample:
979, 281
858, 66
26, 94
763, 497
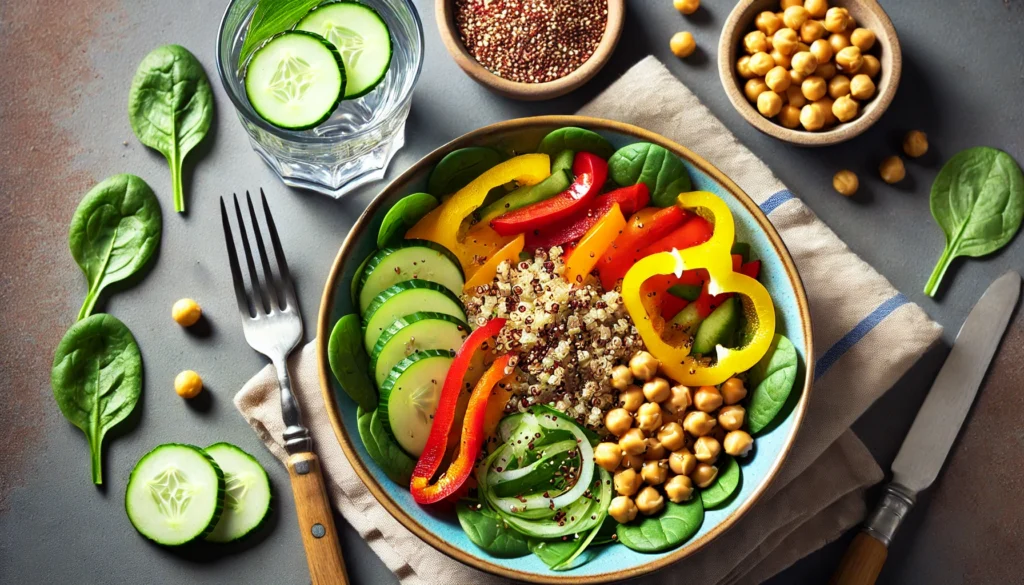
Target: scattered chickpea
863, 39
892, 170
821, 50
704, 474
655, 472
643, 365
861, 87
839, 86
618, 421
838, 42
837, 19
633, 442
845, 108
738, 443
755, 42
608, 456
826, 71
812, 118
789, 115
649, 501
768, 23
915, 143
849, 59
655, 450
671, 436
811, 31
682, 462
186, 312
730, 418
657, 390
769, 103
622, 509
622, 378
795, 16
679, 489
706, 449
743, 67
631, 399
733, 391
699, 423
707, 399
816, 8
188, 384
845, 182
686, 6
682, 44
871, 66
804, 63
626, 482
778, 79
785, 41
813, 88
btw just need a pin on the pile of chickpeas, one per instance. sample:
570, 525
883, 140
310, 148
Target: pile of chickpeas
668, 438
808, 65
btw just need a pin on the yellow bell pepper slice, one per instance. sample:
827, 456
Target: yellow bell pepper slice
487, 272
593, 244
713, 255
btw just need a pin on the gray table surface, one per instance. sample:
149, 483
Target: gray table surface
66, 68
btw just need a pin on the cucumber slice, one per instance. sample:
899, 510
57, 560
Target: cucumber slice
563, 161
357, 278
409, 260
414, 333
246, 495
528, 195
719, 328
687, 320
295, 80
689, 292
406, 298
362, 38
175, 494
409, 396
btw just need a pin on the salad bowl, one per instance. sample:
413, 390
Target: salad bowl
441, 529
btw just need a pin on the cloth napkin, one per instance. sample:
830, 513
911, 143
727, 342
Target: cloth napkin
869, 333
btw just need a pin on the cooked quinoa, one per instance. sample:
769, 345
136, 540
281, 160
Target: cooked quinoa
567, 340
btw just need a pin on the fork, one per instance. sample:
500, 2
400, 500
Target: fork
273, 327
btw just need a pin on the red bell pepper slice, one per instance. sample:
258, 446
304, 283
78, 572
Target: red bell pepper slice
630, 199
584, 163
472, 425
751, 269
641, 231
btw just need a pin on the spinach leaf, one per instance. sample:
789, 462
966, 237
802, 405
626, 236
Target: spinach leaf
269, 18
671, 527
97, 379
554, 552
459, 167
772, 379
575, 139
349, 362
382, 448
114, 232
487, 530
643, 162
409, 210
728, 481
358, 276
170, 107
978, 201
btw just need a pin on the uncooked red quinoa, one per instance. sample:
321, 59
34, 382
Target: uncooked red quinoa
531, 41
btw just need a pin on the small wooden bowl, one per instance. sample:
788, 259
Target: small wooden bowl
445, 14
868, 14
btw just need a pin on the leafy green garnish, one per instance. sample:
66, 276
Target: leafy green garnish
772, 379
114, 232
97, 379
382, 448
577, 140
978, 201
459, 167
170, 107
642, 162
671, 527
348, 361
269, 18
409, 210
487, 530
728, 480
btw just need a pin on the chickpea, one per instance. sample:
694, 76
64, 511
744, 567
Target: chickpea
655, 472
787, 3
626, 482
821, 50
632, 462
686, 6
769, 103
805, 62
838, 42
861, 87
813, 88
648, 418
680, 400
621, 377
738, 443
699, 423
802, 47
795, 97
789, 115
781, 60
915, 143
825, 105
633, 442
188, 384
622, 509
785, 41
682, 44
743, 67
796, 78
849, 59
731, 417
682, 462
671, 436
795, 17
863, 39
649, 501
608, 456
643, 365
631, 399
871, 66
679, 489
761, 64
892, 170
704, 475
816, 8
839, 86
755, 42
707, 398
186, 312
837, 19
657, 390
733, 391
655, 450
812, 118
811, 31
768, 23
826, 71
706, 449
777, 79
845, 182
618, 421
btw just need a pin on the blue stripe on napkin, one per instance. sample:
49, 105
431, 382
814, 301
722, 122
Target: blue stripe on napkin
835, 352
773, 202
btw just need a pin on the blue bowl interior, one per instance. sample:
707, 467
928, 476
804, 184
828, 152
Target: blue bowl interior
768, 447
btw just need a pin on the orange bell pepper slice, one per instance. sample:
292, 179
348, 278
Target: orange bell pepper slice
593, 244
486, 273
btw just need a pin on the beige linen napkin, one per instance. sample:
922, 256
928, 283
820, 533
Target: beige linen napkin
870, 333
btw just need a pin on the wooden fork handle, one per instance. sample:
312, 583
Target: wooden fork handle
316, 521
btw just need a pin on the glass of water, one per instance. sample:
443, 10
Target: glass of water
352, 147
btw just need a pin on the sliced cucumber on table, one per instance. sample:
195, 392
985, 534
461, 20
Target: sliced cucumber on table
295, 80
413, 333
406, 298
175, 494
409, 260
362, 38
409, 396
246, 496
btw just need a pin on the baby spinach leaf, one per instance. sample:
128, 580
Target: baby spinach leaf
577, 140
170, 107
729, 477
409, 210
671, 527
642, 162
772, 379
459, 167
114, 232
978, 201
358, 276
382, 448
554, 552
487, 530
269, 18
97, 379
348, 361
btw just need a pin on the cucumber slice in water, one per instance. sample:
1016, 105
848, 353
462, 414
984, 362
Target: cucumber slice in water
246, 495
175, 494
409, 397
362, 38
295, 80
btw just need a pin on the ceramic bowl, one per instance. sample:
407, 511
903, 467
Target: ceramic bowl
444, 11
868, 14
614, 563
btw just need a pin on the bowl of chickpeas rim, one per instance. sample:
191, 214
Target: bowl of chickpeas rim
810, 72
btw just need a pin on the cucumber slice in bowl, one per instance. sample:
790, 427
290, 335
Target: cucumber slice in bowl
409, 260
413, 333
406, 298
360, 35
175, 494
295, 80
247, 493
409, 397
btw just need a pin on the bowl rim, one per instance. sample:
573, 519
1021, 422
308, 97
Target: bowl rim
371, 482
729, 41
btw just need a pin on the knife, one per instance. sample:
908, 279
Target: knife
935, 428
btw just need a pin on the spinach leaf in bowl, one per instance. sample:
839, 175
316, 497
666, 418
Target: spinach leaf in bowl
97, 379
772, 379
728, 481
576, 140
642, 162
487, 530
669, 528
403, 215
348, 361
459, 167
114, 232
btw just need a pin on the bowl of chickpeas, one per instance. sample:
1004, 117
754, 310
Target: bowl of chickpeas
810, 72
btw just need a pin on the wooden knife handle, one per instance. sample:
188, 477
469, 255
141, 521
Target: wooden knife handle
316, 521
862, 562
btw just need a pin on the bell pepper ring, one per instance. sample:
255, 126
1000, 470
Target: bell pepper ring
586, 254
714, 256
